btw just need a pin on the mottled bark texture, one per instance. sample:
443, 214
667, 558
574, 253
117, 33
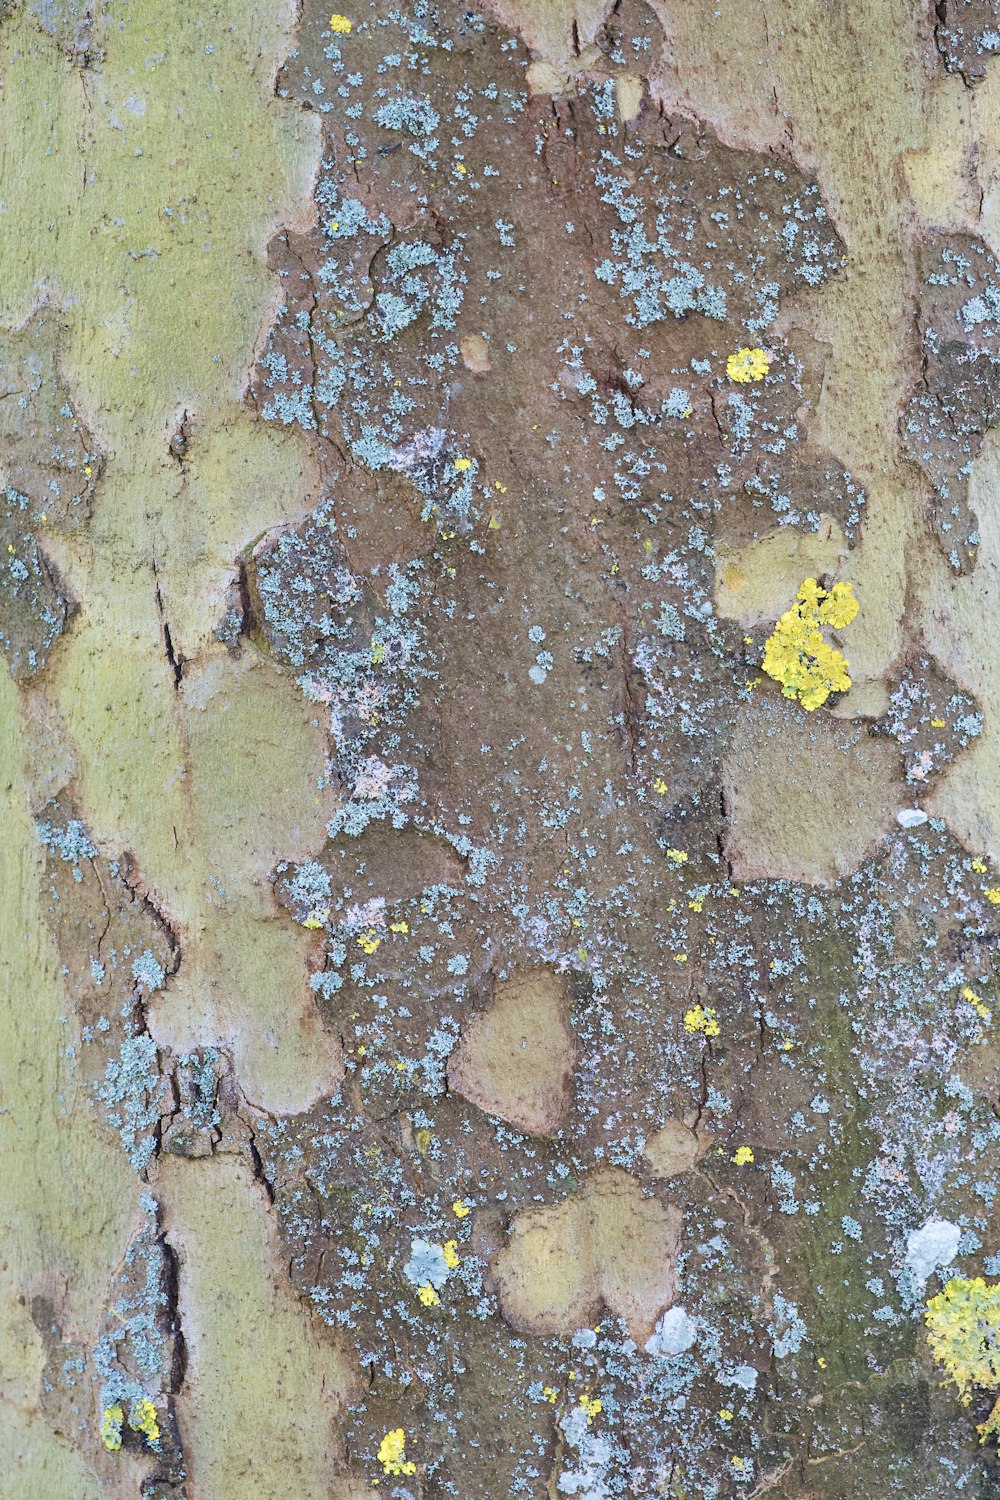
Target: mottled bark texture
466, 1032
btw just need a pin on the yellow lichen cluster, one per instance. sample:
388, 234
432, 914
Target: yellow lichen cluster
392, 1453
796, 654
977, 1002
963, 1331
591, 1406
701, 1018
340, 25
743, 1156
142, 1418
748, 364
111, 1427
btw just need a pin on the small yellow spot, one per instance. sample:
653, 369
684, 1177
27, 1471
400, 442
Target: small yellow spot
725, 1415
378, 653
333, 226
677, 856
702, 1018
399, 927
451, 1256
88, 471
340, 26
743, 1156
392, 1453
993, 895
660, 787
498, 486
978, 1004
111, 1427
979, 865
937, 723
315, 920
428, 1295
591, 1406
748, 364
423, 1139
461, 464
695, 905
9, 547
461, 168
461, 1209
368, 941
551, 1395
821, 1362
143, 1419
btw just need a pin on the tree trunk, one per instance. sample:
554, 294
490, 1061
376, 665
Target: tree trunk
499, 748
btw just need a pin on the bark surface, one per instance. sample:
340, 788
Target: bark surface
467, 1031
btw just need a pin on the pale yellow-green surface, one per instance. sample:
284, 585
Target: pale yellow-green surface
66, 1199
139, 197
264, 1386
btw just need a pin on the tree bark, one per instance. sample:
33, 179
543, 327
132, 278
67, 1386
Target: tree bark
499, 956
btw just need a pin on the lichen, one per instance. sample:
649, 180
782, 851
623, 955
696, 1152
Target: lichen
796, 653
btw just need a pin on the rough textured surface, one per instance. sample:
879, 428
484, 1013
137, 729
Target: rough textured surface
466, 1033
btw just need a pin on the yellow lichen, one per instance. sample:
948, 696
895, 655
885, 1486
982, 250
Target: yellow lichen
701, 1018
978, 1004
796, 653
340, 25
428, 1295
993, 895
963, 1331
748, 364
677, 856
111, 1427
460, 1209
392, 1453
451, 1257
591, 1406
743, 1156
143, 1419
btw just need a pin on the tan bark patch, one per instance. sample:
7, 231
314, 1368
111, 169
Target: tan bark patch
807, 797
605, 1244
516, 1059
671, 1150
